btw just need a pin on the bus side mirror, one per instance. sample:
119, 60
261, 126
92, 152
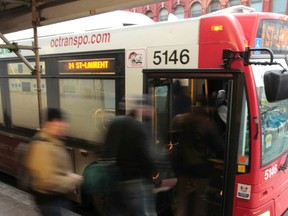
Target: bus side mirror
276, 85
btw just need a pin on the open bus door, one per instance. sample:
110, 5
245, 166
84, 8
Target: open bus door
202, 87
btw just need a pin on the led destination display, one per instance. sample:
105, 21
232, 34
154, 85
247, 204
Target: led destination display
84, 66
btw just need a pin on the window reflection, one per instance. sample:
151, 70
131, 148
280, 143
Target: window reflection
215, 6
1, 109
20, 68
150, 14
24, 102
274, 119
163, 14
257, 5
279, 6
196, 10
274, 126
89, 103
180, 12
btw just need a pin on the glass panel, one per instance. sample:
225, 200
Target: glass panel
179, 12
278, 42
163, 14
196, 10
274, 121
162, 116
185, 123
279, 6
257, 5
21, 68
89, 103
196, 112
150, 14
274, 118
215, 6
1, 109
244, 144
234, 2
24, 102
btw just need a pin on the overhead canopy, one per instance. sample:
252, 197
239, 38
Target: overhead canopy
16, 15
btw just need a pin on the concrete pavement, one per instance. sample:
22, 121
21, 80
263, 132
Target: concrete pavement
15, 202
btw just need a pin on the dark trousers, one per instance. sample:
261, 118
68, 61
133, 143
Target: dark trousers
51, 205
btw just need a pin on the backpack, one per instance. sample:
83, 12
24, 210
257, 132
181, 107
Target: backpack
100, 176
23, 176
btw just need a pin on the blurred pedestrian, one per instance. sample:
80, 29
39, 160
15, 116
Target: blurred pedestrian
221, 106
128, 143
199, 141
50, 166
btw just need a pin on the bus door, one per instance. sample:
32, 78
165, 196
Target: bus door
197, 115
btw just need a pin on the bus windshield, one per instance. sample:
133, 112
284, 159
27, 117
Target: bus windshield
274, 119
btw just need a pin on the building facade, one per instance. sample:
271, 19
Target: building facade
193, 8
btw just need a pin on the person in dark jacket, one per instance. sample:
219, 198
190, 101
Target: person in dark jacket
127, 143
199, 141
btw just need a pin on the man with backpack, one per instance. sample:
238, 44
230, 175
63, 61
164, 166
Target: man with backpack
49, 165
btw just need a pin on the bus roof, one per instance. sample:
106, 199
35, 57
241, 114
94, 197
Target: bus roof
232, 10
99, 21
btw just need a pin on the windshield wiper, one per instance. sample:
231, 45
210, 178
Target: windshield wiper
283, 167
269, 109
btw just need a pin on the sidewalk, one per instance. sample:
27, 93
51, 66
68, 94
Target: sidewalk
15, 202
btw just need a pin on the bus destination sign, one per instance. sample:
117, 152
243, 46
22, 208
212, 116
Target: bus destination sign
273, 34
88, 66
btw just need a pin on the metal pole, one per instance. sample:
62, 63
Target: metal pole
35, 23
16, 51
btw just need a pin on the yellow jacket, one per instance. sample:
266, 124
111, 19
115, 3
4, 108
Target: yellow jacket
48, 162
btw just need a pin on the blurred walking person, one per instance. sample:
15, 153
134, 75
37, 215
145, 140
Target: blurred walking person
50, 166
199, 141
127, 141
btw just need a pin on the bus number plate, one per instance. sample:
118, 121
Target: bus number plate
172, 57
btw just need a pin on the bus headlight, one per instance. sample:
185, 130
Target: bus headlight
267, 213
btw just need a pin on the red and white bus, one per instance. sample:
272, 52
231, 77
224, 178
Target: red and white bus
88, 72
